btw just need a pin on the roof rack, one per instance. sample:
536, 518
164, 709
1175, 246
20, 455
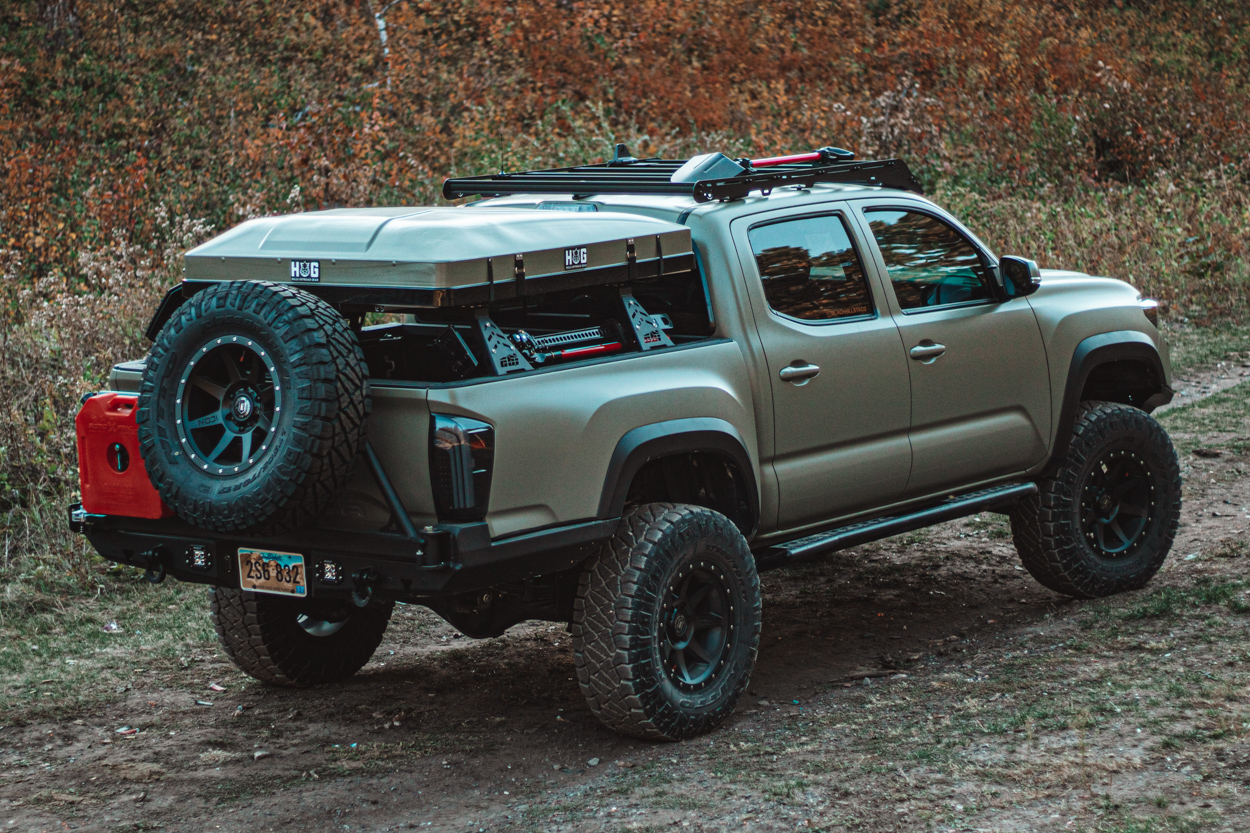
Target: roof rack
708, 178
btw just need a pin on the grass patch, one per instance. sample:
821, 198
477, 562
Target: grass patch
1222, 419
1194, 347
786, 788
62, 657
993, 526
1171, 601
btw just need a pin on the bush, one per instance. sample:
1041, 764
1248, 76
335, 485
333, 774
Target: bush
1108, 137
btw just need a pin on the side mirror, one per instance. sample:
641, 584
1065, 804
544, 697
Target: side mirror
1020, 277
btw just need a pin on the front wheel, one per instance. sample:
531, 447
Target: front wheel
666, 623
1103, 523
296, 642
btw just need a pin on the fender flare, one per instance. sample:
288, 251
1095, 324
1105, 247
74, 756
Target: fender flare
664, 439
1104, 348
174, 298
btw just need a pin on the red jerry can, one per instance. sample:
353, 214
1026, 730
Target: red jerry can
110, 470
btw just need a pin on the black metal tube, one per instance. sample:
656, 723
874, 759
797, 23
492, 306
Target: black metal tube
388, 492
874, 530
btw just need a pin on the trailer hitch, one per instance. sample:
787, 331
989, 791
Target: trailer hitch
365, 581
155, 572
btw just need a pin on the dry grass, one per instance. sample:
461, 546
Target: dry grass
1184, 243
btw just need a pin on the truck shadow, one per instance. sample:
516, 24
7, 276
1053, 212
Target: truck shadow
873, 612
461, 727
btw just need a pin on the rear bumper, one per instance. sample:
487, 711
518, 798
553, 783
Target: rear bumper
443, 560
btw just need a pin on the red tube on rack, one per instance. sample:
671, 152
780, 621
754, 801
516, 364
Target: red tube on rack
792, 159
587, 352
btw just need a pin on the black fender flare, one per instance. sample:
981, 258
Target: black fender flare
1104, 348
677, 436
174, 298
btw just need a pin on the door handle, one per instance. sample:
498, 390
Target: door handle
926, 351
798, 373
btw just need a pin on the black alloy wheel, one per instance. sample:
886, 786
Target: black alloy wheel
698, 629
228, 398
1117, 503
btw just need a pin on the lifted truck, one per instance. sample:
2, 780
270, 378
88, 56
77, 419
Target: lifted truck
612, 395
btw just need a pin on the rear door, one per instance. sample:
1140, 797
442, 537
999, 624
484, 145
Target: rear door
841, 399
980, 392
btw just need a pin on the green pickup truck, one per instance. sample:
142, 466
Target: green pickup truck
609, 395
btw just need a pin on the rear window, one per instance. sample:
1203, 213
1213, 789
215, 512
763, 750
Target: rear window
810, 269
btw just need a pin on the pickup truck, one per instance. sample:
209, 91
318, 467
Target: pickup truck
610, 395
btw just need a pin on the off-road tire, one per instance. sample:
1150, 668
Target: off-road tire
263, 636
619, 621
316, 433
1047, 527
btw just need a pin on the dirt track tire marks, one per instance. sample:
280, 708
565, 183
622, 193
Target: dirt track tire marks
1047, 528
317, 436
262, 636
617, 626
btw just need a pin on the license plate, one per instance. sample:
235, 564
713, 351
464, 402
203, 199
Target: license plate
262, 571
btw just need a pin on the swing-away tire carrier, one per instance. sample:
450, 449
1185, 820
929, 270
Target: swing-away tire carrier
444, 560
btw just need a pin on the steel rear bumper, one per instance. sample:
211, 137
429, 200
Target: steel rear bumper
442, 560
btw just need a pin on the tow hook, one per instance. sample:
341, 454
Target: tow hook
364, 580
155, 573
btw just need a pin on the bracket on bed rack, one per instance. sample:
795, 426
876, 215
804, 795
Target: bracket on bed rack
646, 330
503, 355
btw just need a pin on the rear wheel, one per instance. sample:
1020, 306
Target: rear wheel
1103, 523
296, 642
666, 623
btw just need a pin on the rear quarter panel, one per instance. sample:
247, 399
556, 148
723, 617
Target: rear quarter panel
555, 432
399, 430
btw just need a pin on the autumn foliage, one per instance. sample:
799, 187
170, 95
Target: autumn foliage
1100, 135
221, 110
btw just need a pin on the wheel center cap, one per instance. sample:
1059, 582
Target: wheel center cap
1104, 503
679, 623
243, 407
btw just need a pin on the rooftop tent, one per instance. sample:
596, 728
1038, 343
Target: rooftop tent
433, 257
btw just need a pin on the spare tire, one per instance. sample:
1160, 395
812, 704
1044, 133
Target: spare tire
252, 408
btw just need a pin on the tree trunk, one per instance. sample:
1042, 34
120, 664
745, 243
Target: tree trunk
60, 19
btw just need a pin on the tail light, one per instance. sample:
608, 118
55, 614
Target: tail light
1151, 309
462, 451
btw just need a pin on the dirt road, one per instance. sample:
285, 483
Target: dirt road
924, 682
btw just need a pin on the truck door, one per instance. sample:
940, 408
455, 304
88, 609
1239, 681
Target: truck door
841, 400
980, 384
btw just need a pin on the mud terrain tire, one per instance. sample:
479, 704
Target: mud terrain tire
1104, 521
296, 642
252, 407
666, 623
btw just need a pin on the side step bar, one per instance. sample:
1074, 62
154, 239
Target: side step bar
845, 537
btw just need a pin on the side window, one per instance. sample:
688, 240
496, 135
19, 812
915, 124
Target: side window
930, 263
810, 269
